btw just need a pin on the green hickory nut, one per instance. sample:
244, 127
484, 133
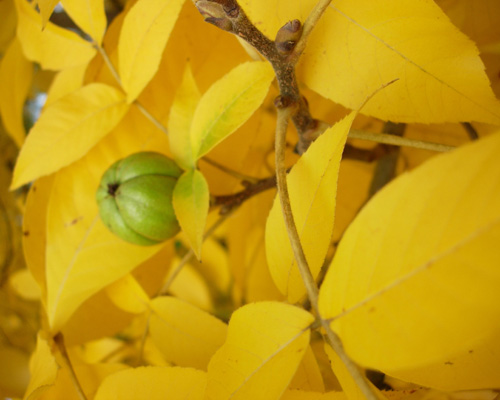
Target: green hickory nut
135, 198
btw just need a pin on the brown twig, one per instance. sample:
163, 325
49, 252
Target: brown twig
228, 15
228, 202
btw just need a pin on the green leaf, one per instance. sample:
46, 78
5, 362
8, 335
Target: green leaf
191, 202
228, 104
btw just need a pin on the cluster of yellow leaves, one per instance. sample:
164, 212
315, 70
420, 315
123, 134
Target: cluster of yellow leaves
411, 289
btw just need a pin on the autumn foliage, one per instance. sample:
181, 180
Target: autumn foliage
381, 282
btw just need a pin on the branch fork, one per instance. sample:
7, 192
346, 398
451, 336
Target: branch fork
281, 54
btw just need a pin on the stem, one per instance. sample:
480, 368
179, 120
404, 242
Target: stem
113, 71
228, 202
309, 24
108, 62
307, 278
398, 141
229, 171
281, 127
187, 257
59, 341
151, 117
140, 358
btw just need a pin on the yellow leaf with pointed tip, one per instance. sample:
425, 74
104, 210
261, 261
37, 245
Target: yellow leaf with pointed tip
349, 385
89, 15
34, 231
308, 375
83, 256
179, 122
358, 45
89, 377
53, 48
46, 9
479, 20
145, 32
43, 368
186, 335
312, 186
65, 82
16, 74
265, 344
153, 383
68, 129
127, 294
191, 200
412, 286
228, 104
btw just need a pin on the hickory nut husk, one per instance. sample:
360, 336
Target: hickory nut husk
135, 198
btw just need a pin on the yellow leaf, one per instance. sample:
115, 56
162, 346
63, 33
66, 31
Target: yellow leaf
34, 230
89, 15
190, 286
412, 286
144, 34
349, 385
308, 376
215, 266
83, 256
228, 104
179, 122
191, 202
25, 285
441, 75
43, 368
14, 372
46, 8
95, 318
89, 377
68, 129
265, 344
127, 294
16, 74
186, 335
306, 395
9, 22
359, 45
153, 383
53, 48
312, 186
65, 82
479, 20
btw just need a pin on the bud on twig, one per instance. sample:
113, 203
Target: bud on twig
214, 13
288, 36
